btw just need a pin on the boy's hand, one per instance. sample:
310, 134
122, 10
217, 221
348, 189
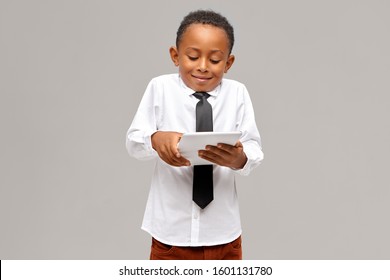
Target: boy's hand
165, 143
225, 155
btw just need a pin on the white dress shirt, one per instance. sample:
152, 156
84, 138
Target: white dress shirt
171, 216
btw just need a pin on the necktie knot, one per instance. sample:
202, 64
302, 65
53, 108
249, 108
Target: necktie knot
201, 95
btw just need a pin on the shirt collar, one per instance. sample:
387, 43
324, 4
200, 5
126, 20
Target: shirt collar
190, 91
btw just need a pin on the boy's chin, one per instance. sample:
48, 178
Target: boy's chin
203, 87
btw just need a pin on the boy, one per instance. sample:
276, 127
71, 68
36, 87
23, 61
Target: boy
180, 227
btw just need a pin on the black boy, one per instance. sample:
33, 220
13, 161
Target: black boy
179, 227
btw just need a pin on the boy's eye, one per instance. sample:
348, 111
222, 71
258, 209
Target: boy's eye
213, 61
193, 58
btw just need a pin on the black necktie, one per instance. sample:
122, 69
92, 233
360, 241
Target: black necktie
202, 191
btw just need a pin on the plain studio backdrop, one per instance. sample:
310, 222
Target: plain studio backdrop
72, 74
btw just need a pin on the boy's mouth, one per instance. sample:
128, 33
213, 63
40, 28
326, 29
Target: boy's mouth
201, 79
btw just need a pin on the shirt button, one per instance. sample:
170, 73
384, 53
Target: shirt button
195, 216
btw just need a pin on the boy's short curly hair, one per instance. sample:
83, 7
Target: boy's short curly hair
206, 17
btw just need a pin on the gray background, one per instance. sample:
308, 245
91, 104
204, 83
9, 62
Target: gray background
73, 72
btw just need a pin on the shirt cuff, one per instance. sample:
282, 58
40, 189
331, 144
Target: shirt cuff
148, 142
254, 158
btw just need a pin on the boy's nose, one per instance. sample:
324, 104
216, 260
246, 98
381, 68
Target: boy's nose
202, 65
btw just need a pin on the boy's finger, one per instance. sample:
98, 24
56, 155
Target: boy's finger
175, 152
213, 158
223, 150
180, 161
214, 154
225, 147
239, 145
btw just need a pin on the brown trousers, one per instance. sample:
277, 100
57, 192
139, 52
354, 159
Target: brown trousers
229, 251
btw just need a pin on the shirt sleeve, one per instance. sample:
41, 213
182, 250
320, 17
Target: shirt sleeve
250, 139
138, 137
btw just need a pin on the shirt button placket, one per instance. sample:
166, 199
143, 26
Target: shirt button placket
195, 223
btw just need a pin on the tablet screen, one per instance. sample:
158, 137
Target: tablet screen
191, 143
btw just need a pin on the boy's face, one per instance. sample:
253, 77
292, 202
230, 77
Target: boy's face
202, 56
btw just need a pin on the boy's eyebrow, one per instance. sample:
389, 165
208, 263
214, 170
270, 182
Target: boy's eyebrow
196, 49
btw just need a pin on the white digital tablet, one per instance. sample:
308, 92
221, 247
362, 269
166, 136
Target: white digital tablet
191, 143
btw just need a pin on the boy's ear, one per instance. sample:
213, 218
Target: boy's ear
229, 62
174, 55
